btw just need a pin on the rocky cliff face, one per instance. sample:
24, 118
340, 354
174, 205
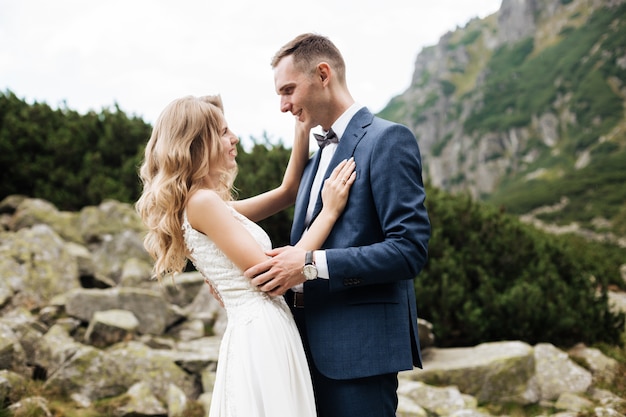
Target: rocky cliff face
448, 89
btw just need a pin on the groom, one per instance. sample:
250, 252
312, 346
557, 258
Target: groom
354, 300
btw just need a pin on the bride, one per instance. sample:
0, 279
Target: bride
188, 172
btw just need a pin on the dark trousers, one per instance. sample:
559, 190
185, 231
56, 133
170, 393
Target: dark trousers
374, 396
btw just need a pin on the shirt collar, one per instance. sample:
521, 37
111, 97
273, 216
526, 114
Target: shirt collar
340, 125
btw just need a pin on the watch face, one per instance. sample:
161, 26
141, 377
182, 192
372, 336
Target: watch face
310, 271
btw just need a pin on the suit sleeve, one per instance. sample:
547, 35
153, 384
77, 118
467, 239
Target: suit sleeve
398, 217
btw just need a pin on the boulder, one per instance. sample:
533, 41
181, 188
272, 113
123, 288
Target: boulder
556, 373
492, 372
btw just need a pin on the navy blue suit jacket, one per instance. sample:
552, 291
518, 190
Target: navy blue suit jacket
363, 320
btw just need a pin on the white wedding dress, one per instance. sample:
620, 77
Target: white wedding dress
262, 369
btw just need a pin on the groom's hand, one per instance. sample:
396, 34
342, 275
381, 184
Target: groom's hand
280, 272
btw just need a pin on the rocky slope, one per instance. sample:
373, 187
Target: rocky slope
81, 315
487, 114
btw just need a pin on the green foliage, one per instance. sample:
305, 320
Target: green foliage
394, 110
596, 191
69, 159
489, 278
469, 37
619, 221
600, 259
75, 160
425, 76
503, 90
418, 110
447, 87
438, 147
595, 104
520, 85
261, 170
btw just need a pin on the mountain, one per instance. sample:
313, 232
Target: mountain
525, 109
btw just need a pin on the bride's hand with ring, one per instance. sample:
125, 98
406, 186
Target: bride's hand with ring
337, 187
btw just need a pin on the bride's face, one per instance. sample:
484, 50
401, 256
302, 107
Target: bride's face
229, 146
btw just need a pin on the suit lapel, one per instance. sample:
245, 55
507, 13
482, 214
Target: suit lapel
353, 134
302, 199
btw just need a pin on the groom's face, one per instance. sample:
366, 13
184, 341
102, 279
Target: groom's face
299, 94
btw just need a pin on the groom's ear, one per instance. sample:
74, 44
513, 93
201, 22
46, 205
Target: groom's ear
323, 72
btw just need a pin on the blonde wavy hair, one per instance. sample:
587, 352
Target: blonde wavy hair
184, 145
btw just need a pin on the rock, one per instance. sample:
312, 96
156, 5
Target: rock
603, 368
425, 331
196, 355
55, 349
152, 351
36, 263
572, 402
440, 401
188, 330
11, 203
12, 355
86, 266
81, 400
32, 406
492, 372
109, 218
111, 326
184, 288
6, 290
152, 311
29, 335
112, 251
408, 407
137, 273
516, 20
9, 382
206, 308
34, 211
109, 372
607, 398
557, 374
142, 402
176, 401
205, 400
617, 302
157, 368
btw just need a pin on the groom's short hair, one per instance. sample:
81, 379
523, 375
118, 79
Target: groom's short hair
308, 50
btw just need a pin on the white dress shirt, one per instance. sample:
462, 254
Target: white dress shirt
339, 127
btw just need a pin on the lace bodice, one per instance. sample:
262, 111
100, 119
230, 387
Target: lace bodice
233, 287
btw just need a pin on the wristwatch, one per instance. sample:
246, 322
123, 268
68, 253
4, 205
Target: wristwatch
309, 270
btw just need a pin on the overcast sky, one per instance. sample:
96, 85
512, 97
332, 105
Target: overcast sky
142, 54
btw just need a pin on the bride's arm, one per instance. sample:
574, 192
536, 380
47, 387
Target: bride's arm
271, 202
334, 197
209, 214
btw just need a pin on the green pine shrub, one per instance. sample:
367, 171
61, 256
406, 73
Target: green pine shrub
490, 277
70, 159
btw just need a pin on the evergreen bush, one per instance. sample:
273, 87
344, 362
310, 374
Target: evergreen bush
489, 277
69, 159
